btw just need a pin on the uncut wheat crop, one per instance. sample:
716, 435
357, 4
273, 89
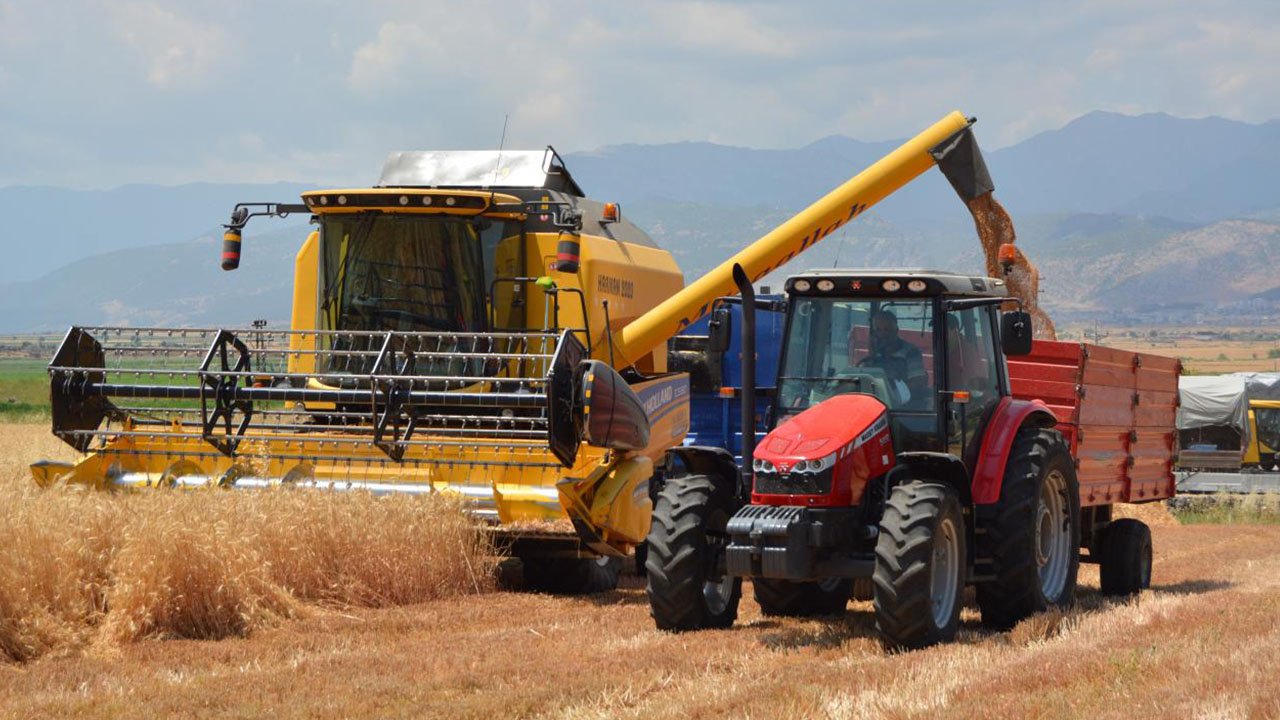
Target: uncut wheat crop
80, 568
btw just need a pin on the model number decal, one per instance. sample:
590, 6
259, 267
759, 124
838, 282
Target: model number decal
616, 286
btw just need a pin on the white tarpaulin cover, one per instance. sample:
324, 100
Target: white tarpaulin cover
1260, 385
1208, 400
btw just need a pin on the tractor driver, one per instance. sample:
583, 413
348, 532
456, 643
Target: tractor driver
902, 362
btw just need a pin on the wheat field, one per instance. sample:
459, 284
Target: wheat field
80, 569
1203, 642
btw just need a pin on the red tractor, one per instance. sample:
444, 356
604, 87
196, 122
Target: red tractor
921, 440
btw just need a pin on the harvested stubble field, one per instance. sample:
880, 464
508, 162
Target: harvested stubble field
1204, 642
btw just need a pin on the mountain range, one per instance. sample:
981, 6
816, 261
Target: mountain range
1121, 213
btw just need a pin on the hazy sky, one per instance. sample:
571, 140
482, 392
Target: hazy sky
100, 94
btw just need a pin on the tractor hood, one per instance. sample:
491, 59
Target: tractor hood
837, 425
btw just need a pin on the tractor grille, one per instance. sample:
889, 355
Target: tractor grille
795, 483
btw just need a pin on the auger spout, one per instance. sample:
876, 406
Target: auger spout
788, 240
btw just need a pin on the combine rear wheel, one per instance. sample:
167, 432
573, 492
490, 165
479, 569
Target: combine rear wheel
687, 585
572, 576
1125, 562
800, 599
920, 566
1034, 538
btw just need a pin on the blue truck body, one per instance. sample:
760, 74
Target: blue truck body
716, 378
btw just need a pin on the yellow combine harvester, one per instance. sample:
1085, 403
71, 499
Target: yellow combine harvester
473, 324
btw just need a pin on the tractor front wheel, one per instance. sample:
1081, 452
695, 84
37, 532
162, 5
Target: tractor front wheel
920, 566
687, 585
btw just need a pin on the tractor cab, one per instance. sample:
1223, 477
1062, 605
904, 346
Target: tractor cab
925, 345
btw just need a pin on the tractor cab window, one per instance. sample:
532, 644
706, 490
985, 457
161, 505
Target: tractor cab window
877, 347
970, 367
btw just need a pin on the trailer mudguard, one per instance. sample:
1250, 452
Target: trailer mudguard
1009, 417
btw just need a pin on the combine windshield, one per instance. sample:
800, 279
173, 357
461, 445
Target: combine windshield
878, 347
1268, 421
407, 273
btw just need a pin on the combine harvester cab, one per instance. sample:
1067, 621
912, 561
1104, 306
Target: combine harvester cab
474, 325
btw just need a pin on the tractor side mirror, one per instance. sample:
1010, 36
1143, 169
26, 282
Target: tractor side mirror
719, 330
1015, 333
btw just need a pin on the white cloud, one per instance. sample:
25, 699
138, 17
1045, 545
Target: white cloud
138, 90
175, 51
386, 63
726, 28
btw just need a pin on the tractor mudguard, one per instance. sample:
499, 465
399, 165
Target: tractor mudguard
714, 462
941, 467
1009, 417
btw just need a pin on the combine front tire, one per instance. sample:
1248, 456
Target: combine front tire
801, 599
920, 566
572, 576
1034, 537
1125, 562
687, 585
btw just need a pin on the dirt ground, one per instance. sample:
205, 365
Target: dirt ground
1203, 642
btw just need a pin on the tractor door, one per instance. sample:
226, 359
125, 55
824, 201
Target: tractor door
972, 365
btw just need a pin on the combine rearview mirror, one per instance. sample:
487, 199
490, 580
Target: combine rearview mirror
719, 330
1015, 333
612, 414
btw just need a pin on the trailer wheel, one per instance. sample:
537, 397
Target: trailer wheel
920, 566
1034, 538
687, 585
1125, 562
572, 576
801, 599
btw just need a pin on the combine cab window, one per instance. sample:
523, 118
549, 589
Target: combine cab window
1268, 421
387, 272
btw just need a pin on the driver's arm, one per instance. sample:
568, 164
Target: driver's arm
917, 378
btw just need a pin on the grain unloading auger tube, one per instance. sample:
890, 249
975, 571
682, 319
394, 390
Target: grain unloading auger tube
383, 411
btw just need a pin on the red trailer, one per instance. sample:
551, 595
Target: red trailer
1116, 408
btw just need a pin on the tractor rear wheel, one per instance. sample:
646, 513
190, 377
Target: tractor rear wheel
801, 599
687, 585
572, 576
1125, 562
920, 566
1034, 538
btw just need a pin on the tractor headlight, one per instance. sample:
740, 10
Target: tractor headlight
760, 465
816, 466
